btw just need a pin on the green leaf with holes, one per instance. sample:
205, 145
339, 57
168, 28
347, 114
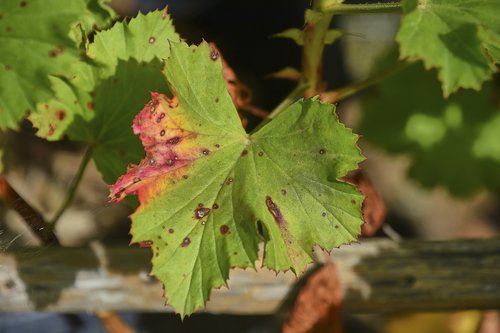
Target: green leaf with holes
37, 39
210, 192
446, 138
460, 38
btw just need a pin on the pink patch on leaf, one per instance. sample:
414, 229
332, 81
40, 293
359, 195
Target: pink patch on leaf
161, 135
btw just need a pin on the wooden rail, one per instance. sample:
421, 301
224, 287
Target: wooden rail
377, 276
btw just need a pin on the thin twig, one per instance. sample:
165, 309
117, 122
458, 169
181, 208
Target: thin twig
254, 110
368, 8
349, 90
35, 221
74, 186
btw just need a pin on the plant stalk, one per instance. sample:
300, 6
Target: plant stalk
315, 29
74, 186
35, 221
369, 8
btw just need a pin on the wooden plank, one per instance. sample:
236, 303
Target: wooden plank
377, 276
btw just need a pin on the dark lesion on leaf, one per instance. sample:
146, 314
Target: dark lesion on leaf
201, 212
275, 211
224, 229
185, 242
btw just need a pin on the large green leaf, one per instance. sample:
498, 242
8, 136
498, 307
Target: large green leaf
207, 189
453, 142
460, 38
103, 94
36, 39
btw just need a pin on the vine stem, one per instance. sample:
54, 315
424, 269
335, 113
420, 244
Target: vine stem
369, 8
35, 221
315, 29
349, 90
74, 186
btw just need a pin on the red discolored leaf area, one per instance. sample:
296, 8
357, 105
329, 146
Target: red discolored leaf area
317, 307
159, 127
374, 210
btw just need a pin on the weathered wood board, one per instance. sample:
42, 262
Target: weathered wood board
377, 276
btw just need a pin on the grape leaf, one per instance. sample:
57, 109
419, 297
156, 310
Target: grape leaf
100, 100
208, 190
459, 38
144, 39
108, 132
446, 138
36, 40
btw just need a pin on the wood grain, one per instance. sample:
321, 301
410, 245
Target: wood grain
376, 276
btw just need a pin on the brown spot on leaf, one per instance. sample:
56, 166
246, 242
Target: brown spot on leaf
185, 242
56, 51
229, 181
170, 231
174, 140
283, 191
244, 152
216, 99
217, 145
214, 55
162, 133
145, 244
260, 154
322, 151
52, 129
152, 40
275, 211
7, 67
224, 229
201, 212
205, 152
8, 29
90, 106
23, 3
61, 114
215, 206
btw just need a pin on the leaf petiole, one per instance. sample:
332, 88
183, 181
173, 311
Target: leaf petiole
74, 186
352, 89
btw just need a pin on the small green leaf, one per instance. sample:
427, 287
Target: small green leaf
35, 41
459, 38
287, 73
453, 142
209, 191
297, 35
332, 35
